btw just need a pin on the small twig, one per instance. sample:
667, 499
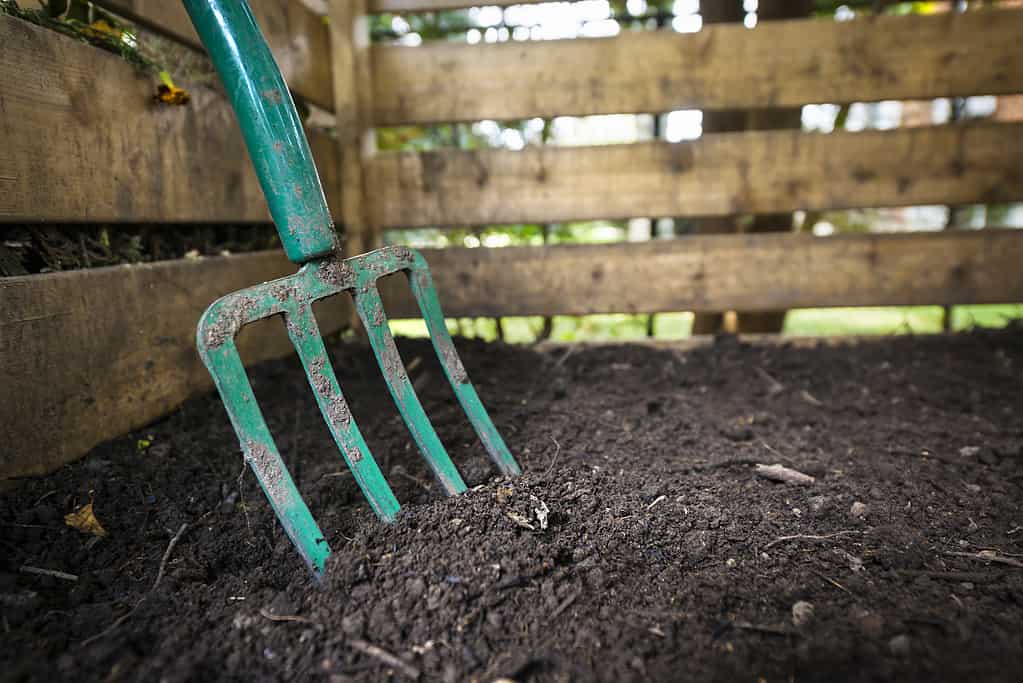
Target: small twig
385, 657
26, 569
810, 537
834, 583
167, 554
787, 475
999, 551
810, 398
265, 613
773, 385
159, 577
770, 630
44, 497
566, 604
240, 482
113, 626
564, 357
656, 501
989, 556
554, 460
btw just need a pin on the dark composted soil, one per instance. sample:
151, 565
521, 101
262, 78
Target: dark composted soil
665, 556
26, 250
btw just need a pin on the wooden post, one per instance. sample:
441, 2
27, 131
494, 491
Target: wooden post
723, 121
779, 118
720, 11
349, 52
349, 47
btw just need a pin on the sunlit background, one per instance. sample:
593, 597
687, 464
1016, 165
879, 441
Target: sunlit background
601, 18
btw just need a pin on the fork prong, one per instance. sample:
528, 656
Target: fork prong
305, 336
371, 311
225, 365
422, 286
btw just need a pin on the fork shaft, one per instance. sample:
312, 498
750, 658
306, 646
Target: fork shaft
270, 125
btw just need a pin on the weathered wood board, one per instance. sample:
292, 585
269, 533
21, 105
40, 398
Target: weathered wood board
90, 354
350, 44
82, 140
297, 37
724, 66
720, 272
133, 357
721, 174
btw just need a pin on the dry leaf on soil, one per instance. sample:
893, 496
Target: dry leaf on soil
84, 519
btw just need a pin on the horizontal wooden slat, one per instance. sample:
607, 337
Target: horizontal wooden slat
723, 174
763, 272
132, 356
377, 6
82, 140
778, 64
91, 354
297, 37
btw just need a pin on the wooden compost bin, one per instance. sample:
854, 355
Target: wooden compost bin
88, 355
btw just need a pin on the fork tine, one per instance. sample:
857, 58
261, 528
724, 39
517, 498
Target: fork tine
426, 295
307, 340
371, 311
225, 365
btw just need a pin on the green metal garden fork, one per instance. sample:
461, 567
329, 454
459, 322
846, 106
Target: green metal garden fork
275, 140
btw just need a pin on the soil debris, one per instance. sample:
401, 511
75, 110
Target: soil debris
664, 552
778, 472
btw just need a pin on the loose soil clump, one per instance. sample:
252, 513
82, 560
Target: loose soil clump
641, 544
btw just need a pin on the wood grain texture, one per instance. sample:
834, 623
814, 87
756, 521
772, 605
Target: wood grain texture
132, 355
82, 140
297, 37
779, 63
350, 40
721, 272
378, 6
134, 358
729, 173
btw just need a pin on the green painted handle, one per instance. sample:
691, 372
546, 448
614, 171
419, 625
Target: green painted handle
271, 127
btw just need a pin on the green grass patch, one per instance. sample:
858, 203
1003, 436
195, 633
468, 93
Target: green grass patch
800, 322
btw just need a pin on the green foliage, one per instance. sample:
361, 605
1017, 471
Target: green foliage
82, 21
428, 25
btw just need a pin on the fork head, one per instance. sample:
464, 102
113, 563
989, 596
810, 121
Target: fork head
292, 297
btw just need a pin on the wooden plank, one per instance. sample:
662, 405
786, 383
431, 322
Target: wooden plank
297, 37
778, 64
721, 272
378, 6
82, 141
131, 356
349, 33
723, 174
134, 358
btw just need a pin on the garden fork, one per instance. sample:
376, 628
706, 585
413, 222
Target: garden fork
275, 140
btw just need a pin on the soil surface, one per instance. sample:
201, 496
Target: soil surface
665, 556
